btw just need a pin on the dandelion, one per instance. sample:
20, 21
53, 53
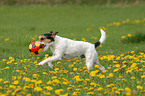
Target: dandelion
6, 39
115, 70
49, 82
96, 66
58, 91
44, 73
120, 89
108, 85
117, 92
6, 82
12, 86
38, 89
3, 59
111, 75
74, 69
132, 77
123, 37
99, 89
90, 93
27, 79
139, 87
16, 82
128, 94
38, 82
129, 35
102, 76
128, 89
49, 88
123, 66
117, 65
143, 76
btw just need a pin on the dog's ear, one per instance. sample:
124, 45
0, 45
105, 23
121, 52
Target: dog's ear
55, 33
51, 32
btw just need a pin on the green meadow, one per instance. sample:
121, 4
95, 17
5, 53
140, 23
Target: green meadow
122, 54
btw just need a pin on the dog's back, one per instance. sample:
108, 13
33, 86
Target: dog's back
72, 46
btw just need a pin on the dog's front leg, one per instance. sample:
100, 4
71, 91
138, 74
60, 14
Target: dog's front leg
53, 58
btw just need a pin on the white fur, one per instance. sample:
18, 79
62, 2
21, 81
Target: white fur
68, 49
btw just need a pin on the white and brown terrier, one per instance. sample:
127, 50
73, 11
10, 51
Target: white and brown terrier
68, 49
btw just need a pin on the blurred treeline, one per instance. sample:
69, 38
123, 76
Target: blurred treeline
74, 2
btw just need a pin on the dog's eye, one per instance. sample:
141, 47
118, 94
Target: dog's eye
42, 38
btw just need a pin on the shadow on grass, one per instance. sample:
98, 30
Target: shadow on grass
137, 38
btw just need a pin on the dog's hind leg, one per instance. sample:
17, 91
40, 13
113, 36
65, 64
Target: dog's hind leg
89, 59
50, 65
100, 66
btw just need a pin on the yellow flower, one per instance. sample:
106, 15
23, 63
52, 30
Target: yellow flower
1, 88
49, 82
123, 37
6, 39
117, 92
90, 93
4, 60
77, 89
27, 79
112, 84
16, 91
120, 89
12, 86
58, 91
123, 66
96, 66
75, 69
143, 76
38, 89
129, 35
111, 75
133, 65
5, 82
16, 82
117, 65
132, 77
128, 89
128, 94
65, 83
108, 68
38, 82
115, 70
28, 95
26, 87
108, 85
102, 76
49, 88
99, 89
35, 75
44, 73
54, 77
139, 87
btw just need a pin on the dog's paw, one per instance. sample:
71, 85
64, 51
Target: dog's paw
50, 65
102, 68
41, 63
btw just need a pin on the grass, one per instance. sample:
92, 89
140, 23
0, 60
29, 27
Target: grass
124, 62
137, 38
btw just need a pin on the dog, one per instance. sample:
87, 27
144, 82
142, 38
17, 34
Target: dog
66, 48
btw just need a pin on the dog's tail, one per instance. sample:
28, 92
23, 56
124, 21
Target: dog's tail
102, 39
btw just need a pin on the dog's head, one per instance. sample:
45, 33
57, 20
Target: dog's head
47, 37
